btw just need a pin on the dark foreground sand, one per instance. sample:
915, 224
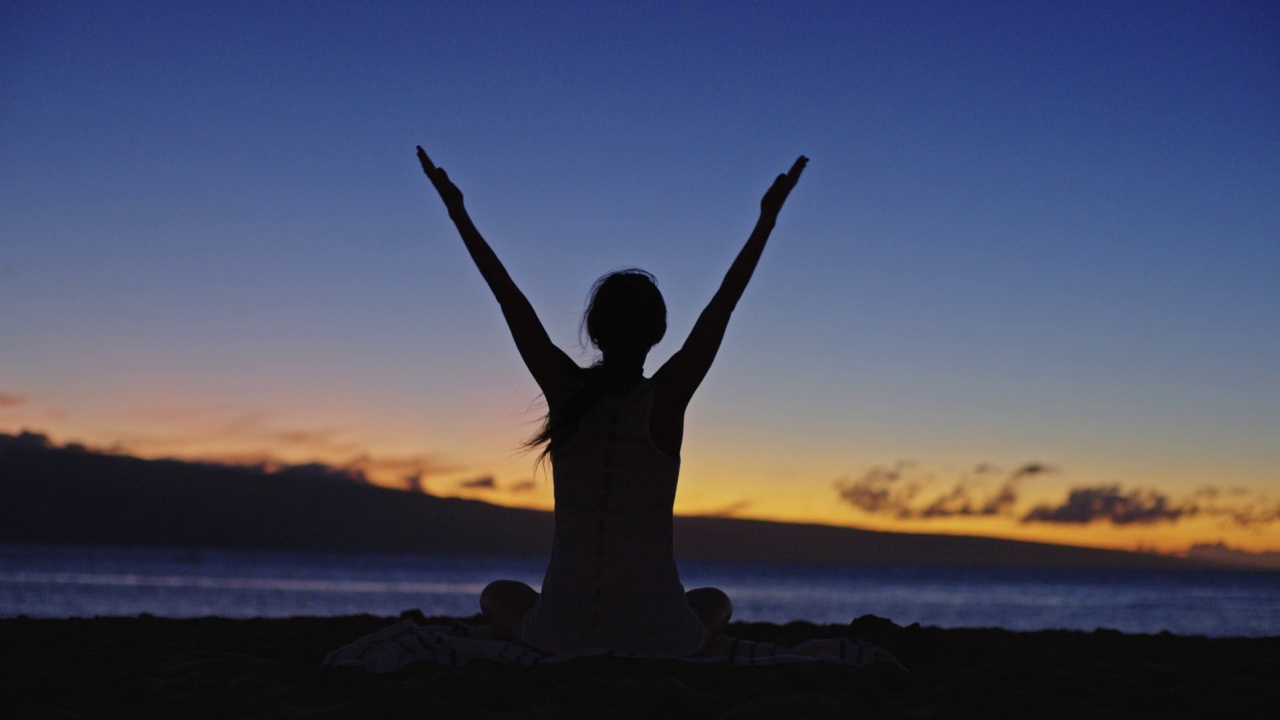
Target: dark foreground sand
212, 667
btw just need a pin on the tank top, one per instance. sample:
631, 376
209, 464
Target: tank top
612, 581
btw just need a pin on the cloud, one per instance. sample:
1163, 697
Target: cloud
954, 502
1233, 506
39, 441
1003, 501
481, 483
322, 472
487, 482
881, 490
730, 510
192, 426
403, 467
221, 434
884, 491
8, 401
1236, 506
959, 503
1208, 492
1031, 470
1111, 504
309, 438
1244, 514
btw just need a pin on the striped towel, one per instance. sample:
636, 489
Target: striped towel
406, 642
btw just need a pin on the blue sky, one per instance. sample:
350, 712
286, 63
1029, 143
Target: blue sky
1029, 232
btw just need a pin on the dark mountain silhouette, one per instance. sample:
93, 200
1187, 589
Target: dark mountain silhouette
73, 496
70, 495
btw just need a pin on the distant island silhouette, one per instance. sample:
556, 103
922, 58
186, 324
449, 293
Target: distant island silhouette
73, 495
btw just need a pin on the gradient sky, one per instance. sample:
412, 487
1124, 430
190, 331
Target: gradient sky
1035, 250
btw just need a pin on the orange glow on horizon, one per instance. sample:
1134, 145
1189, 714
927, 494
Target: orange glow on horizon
514, 483
1162, 538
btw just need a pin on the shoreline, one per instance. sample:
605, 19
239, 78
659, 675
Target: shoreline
271, 667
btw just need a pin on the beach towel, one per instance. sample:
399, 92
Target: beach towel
456, 645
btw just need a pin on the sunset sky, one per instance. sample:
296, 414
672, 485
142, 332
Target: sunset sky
1027, 286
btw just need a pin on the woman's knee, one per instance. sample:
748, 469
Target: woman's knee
711, 604
713, 608
504, 598
708, 596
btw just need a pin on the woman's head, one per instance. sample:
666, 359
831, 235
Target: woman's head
625, 313
625, 317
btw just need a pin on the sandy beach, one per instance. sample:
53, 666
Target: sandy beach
156, 667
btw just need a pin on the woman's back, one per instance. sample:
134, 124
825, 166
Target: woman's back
612, 580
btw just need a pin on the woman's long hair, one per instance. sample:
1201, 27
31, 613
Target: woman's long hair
625, 317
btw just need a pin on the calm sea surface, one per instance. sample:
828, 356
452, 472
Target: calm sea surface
66, 582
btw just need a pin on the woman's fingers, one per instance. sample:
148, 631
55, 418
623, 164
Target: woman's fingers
782, 185
427, 165
796, 168
438, 176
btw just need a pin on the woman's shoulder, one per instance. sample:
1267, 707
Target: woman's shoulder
567, 386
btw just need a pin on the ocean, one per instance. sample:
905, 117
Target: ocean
62, 582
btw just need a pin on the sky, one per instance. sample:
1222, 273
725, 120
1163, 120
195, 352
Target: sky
1026, 287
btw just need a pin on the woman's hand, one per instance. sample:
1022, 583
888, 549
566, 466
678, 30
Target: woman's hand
684, 371
449, 192
552, 369
771, 203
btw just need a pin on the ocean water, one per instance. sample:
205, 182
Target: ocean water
59, 582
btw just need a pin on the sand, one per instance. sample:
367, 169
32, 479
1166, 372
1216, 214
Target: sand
215, 667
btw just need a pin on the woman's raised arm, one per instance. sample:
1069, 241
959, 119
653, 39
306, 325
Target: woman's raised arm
684, 371
552, 369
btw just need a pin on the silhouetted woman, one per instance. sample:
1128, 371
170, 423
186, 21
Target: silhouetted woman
614, 439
